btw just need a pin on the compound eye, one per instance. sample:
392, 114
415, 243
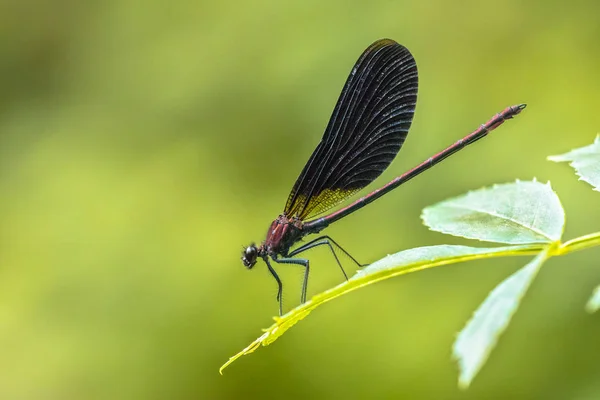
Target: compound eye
249, 256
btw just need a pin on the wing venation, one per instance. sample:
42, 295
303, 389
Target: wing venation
365, 132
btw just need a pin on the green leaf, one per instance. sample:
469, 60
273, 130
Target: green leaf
475, 342
514, 213
593, 303
585, 161
430, 254
397, 264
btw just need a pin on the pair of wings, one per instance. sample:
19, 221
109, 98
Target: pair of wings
367, 129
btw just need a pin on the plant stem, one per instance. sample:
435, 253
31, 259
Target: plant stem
580, 243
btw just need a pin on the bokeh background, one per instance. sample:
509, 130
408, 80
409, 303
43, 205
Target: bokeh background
142, 144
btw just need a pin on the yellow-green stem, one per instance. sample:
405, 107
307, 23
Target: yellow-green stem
580, 243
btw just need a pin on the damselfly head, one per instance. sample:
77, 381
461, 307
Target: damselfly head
249, 255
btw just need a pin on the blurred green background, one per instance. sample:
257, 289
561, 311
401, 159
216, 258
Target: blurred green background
142, 144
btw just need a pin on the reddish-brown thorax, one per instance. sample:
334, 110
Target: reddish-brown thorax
282, 234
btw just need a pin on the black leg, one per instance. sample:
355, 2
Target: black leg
328, 241
304, 263
279, 286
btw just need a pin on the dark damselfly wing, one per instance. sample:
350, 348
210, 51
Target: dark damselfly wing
367, 129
